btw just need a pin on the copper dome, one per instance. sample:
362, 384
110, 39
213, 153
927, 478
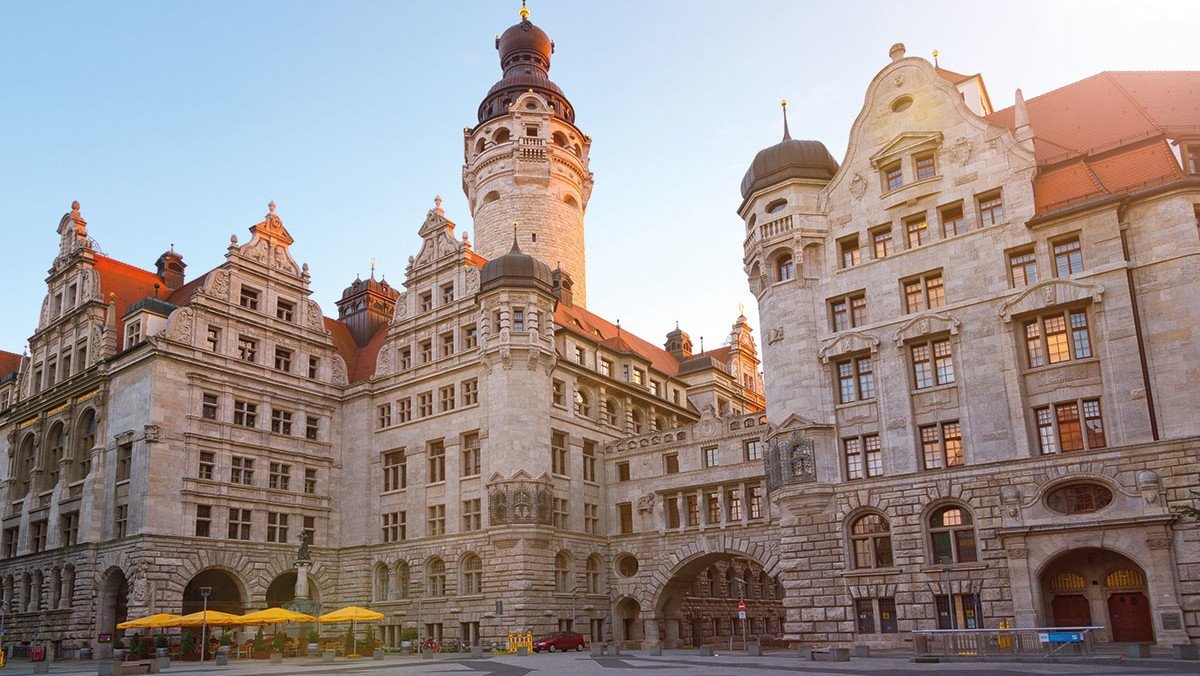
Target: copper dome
525, 52
515, 268
790, 158
524, 37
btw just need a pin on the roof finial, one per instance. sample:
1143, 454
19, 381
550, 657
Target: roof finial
372, 268
786, 135
515, 247
935, 56
172, 247
75, 208
524, 11
437, 201
271, 206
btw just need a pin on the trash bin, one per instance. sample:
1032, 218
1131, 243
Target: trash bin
37, 653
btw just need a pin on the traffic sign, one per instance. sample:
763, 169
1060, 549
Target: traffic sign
742, 607
741, 614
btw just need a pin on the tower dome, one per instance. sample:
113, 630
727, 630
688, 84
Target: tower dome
516, 268
790, 158
525, 52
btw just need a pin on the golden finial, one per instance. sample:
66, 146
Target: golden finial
935, 56
524, 11
783, 102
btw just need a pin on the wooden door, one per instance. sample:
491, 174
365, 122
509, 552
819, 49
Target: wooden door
1129, 615
697, 633
1071, 610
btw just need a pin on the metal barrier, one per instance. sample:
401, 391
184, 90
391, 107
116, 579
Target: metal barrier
1005, 641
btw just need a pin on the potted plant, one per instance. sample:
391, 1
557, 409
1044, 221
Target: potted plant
407, 636
162, 648
277, 648
119, 649
223, 642
348, 644
188, 648
314, 642
85, 650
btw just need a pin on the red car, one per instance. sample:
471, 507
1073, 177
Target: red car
559, 640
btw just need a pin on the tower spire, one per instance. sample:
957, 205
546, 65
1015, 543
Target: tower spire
786, 135
524, 11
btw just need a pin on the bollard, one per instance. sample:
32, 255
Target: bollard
656, 650
327, 656
754, 649
597, 649
222, 659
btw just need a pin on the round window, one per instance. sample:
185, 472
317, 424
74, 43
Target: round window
776, 206
1079, 498
901, 104
627, 565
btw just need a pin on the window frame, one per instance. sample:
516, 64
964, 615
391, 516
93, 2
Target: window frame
990, 207
1087, 417
872, 543
1067, 249
942, 449
935, 375
957, 535
925, 283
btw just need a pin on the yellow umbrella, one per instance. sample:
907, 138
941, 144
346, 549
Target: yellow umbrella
352, 614
149, 621
215, 618
275, 615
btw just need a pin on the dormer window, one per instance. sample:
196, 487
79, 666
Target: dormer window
133, 333
249, 298
925, 166
1191, 158
893, 176
531, 131
776, 206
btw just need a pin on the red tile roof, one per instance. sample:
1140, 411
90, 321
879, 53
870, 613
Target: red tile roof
721, 354
1106, 135
360, 361
566, 316
124, 284
952, 77
183, 295
9, 363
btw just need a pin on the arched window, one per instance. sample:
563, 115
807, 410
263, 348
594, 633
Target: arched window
871, 542
751, 223
28, 457
85, 439
952, 535
58, 442
491, 196
562, 572
560, 140
583, 404
570, 201
714, 583
785, 268
501, 136
593, 574
436, 578
480, 145
730, 580
402, 580
382, 581
639, 421
1082, 498
611, 411
68, 594
660, 423
472, 575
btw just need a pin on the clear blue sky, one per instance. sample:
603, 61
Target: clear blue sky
176, 122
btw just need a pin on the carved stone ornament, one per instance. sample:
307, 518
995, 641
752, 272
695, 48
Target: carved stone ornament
519, 502
383, 363
851, 341
646, 503
313, 315
961, 152
790, 458
339, 371
401, 310
774, 335
925, 324
1158, 542
858, 186
218, 284
472, 279
152, 433
1050, 293
1018, 553
179, 325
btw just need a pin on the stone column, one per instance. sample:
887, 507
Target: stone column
1166, 613
301, 590
745, 502
1024, 588
650, 626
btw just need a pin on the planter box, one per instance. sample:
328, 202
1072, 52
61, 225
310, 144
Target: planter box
276, 658
706, 651
1185, 651
754, 650
327, 656
222, 660
378, 654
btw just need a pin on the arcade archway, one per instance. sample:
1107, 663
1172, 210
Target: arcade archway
226, 592
1098, 587
283, 589
699, 604
113, 602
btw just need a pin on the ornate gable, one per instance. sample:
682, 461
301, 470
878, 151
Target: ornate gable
925, 324
1050, 293
268, 245
438, 234
851, 341
906, 143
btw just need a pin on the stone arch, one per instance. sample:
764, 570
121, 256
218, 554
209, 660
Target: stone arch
282, 589
698, 555
112, 603
229, 593
1115, 593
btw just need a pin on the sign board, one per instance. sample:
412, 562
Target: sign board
741, 606
741, 614
1061, 637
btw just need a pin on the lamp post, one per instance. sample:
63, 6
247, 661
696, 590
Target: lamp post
204, 592
742, 602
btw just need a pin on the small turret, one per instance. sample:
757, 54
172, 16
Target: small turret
170, 267
366, 306
679, 344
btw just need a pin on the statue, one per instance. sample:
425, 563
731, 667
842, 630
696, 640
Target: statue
302, 555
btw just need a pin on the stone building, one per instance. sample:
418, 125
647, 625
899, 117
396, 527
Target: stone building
979, 355
444, 444
978, 330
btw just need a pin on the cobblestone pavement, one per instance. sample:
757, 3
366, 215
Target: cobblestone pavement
671, 662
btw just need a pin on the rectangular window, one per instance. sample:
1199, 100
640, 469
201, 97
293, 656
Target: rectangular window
713, 501
622, 471
249, 298
591, 518
991, 209
448, 294
589, 461
864, 610
312, 427
208, 406
124, 461
277, 527
470, 454
472, 518
518, 319
856, 380
310, 480
893, 177
753, 449
848, 248
580, 355
437, 461
383, 416
863, 457
1047, 441
561, 512
925, 166
11, 537
395, 471
283, 359
924, 293
239, 523
245, 413
756, 502
37, 539
203, 521
960, 611
208, 464
314, 366
310, 529
241, 470
281, 421
247, 349
558, 453
692, 503
1070, 434
447, 398
404, 410
133, 336
952, 220
558, 393
425, 404
471, 392
941, 445
1191, 158
854, 461
285, 310
710, 456
395, 526
470, 337
1057, 338
733, 505
447, 344
280, 476
1093, 424
916, 229
606, 367
1068, 257
639, 376
405, 359
625, 517
933, 364
848, 312
435, 520
426, 349
672, 507
426, 301
874, 457
881, 239
70, 529
1022, 267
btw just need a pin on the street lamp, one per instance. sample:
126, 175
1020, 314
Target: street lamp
742, 600
204, 592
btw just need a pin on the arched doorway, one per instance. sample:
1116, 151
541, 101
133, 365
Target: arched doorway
629, 621
113, 602
699, 604
1098, 587
225, 592
283, 589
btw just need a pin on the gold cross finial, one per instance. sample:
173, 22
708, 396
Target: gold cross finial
524, 11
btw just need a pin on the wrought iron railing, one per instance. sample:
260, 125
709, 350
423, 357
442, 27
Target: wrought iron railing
1005, 641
